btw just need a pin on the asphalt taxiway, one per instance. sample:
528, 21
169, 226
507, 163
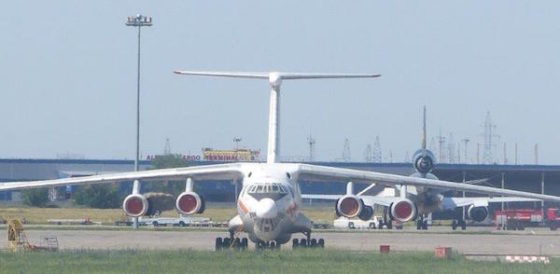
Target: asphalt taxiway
477, 241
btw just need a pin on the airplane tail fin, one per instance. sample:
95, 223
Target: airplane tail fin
275, 79
424, 129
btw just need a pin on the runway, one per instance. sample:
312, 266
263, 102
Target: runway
530, 242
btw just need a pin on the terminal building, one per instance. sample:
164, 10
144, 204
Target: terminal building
532, 178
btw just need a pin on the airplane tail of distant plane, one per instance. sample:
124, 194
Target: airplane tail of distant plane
275, 80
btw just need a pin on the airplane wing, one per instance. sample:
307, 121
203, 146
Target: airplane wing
368, 200
452, 202
313, 173
210, 172
447, 202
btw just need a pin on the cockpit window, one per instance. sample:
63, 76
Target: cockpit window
274, 191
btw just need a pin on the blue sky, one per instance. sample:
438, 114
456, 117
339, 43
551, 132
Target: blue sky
69, 81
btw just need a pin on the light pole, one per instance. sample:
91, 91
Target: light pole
138, 21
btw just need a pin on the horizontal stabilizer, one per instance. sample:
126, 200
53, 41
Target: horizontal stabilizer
254, 75
276, 75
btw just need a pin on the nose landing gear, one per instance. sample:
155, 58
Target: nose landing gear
267, 245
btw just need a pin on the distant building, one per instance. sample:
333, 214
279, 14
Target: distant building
234, 155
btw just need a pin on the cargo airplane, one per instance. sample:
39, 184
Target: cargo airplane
422, 200
269, 203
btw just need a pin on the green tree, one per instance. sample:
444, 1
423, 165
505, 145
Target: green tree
166, 161
169, 161
98, 196
38, 197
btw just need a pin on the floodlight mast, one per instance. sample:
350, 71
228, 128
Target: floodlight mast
138, 21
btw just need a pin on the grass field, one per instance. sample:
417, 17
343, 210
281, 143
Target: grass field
301, 261
109, 216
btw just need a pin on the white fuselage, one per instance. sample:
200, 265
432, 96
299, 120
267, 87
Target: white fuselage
427, 200
269, 202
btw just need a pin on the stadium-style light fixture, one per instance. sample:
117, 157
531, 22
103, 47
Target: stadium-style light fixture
138, 21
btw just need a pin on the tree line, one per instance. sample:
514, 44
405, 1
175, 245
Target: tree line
110, 195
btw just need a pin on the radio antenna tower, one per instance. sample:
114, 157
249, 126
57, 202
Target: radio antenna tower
368, 157
377, 156
451, 149
346, 157
311, 142
489, 144
167, 148
465, 148
441, 148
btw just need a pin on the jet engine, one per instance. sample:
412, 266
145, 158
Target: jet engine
190, 203
366, 213
477, 213
403, 210
424, 161
351, 206
135, 205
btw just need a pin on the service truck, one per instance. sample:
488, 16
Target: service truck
518, 219
177, 221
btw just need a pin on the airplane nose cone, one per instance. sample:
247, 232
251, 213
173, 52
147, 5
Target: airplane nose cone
266, 209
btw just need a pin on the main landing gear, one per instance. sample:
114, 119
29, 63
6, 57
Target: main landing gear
459, 223
308, 242
421, 223
231, 243
386, 220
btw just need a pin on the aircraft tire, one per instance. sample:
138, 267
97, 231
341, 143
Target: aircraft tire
219, 244
237, 244
313, 243
226, 243
321, 243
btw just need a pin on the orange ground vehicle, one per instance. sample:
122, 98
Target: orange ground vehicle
518, 219
553, 218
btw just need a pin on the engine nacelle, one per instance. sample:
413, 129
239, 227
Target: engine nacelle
477, 213
349, 206
190, 203
135, 205
403, 210
423, 161
367, 213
